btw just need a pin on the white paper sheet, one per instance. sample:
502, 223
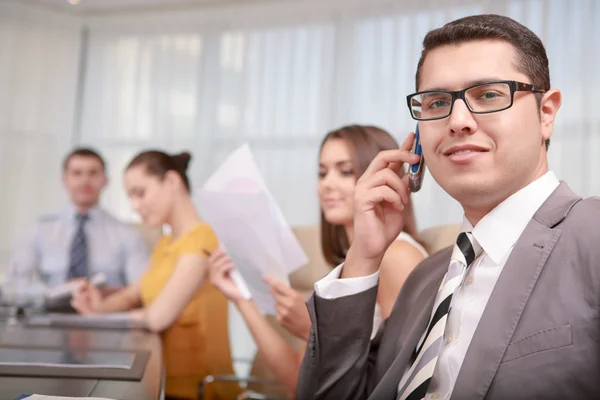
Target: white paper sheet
66, 289
246, 218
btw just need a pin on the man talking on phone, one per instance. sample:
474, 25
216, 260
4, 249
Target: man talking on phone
512, 310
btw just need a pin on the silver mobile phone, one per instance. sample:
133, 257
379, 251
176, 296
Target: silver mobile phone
416, 171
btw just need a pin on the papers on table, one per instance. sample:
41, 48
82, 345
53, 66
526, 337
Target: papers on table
250, 225
66, 289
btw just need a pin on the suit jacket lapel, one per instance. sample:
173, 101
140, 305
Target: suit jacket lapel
510, 295
422, 308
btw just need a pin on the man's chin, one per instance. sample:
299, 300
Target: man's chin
86, 202
466, 190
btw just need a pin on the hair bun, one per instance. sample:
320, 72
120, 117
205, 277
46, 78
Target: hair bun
182, 160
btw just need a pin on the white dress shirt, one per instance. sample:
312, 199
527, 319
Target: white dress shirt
496, 233
114, 248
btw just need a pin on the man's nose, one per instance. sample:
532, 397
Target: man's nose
461, 119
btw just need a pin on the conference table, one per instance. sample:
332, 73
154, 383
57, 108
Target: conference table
17, 334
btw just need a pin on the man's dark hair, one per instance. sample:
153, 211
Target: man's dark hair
531, 54
83, 152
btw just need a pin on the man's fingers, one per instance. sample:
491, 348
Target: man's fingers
407, 145
387, 177
382, 194
387, 158
405, 182
408, 142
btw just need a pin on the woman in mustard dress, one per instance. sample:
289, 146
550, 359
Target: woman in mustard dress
173, 297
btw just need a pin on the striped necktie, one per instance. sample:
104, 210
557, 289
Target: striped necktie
78, 263
426, 354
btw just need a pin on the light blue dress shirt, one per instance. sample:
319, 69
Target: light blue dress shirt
115, 248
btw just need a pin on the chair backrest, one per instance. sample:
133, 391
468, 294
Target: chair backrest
218, 357
303, 280
439, 237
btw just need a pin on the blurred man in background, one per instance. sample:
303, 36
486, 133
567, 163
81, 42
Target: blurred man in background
83, 240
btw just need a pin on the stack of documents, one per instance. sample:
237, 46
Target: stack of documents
250, 226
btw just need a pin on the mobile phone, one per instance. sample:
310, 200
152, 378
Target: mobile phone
416, 171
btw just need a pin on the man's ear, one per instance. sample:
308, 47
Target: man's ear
549, 106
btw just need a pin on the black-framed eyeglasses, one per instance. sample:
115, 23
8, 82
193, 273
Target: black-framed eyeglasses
483, 98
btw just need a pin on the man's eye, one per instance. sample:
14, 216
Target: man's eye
438, 104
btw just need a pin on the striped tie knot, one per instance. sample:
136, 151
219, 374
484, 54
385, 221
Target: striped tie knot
464, 242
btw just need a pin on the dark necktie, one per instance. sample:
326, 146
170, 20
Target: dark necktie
78, 264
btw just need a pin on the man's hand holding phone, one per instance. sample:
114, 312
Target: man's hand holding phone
379, 199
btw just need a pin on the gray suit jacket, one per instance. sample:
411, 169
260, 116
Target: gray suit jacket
538, 338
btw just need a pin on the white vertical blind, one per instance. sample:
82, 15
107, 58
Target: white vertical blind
208, 93
39, 56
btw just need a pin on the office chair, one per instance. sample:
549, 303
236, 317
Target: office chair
253, 387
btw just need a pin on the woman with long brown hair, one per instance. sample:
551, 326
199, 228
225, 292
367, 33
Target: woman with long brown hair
344, 156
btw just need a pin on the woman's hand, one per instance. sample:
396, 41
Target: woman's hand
292, 313
219, 267
87, 299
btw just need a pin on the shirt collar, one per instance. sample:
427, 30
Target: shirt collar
93, 213
500, 229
